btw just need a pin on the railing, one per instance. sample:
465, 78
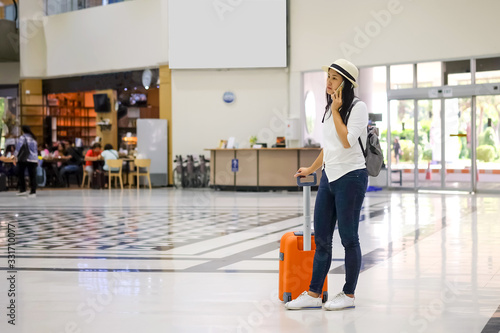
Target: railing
53, 7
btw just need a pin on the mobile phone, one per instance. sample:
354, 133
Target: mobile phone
340, 87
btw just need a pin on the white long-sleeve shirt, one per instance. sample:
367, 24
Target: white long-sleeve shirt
338, 160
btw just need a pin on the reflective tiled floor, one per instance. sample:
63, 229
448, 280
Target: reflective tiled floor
203, 261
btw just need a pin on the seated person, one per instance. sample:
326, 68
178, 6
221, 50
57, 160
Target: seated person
8, 171
73, 160
123, 150
109, 154
93, 155
60, 153
52, 169
9, 151
43, 151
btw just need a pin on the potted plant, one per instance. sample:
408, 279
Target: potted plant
253, 140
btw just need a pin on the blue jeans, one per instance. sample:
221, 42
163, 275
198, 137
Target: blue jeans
69, 169
341, 201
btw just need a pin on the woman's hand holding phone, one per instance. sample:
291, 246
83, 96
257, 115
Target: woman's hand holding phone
337, 97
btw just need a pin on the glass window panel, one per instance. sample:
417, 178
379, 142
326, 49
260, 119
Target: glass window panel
457, 138
429, 143
373, 91
63, 6
401, 76
429, 74
488, 142
310, 105
459, 79
487, 70
315, 95
488, 77
457, 73
402, 134
10, 12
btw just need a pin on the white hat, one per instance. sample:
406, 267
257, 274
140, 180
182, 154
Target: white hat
344, 68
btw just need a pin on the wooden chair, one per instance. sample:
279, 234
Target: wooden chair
115, 164
145, 164
86, 175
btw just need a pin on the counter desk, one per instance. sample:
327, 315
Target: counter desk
259, 169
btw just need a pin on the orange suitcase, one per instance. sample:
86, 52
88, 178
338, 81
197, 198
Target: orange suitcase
297, 256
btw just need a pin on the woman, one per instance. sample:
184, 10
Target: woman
30, 162
342, 188
43, 151
10, 150
59, 153
109, 154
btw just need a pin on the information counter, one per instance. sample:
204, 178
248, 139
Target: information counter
259, 169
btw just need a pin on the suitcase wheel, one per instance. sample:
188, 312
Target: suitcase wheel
325, 296
287, 297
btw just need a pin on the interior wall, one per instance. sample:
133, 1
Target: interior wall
201, 118
32, 44
374, 32
117, 37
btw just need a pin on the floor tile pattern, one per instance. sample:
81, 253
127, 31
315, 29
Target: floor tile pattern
205, 261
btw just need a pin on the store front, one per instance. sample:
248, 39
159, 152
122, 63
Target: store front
84, 109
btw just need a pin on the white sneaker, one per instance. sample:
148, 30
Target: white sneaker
339, 302
20, 194
32, 195
304, 301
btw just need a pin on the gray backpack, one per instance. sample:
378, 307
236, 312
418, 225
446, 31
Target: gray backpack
374, 159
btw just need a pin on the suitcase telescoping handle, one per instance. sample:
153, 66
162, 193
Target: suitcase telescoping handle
307, 209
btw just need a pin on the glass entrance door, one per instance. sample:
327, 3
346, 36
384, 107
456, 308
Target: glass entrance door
402, 120
488, 142
457, 117
429, 144
442, 157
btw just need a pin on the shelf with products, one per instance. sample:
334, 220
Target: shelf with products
71, 116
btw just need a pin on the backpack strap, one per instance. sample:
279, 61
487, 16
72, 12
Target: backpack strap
361, 145
356, 100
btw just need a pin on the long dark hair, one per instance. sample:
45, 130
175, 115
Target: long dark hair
27, 130
347, 98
